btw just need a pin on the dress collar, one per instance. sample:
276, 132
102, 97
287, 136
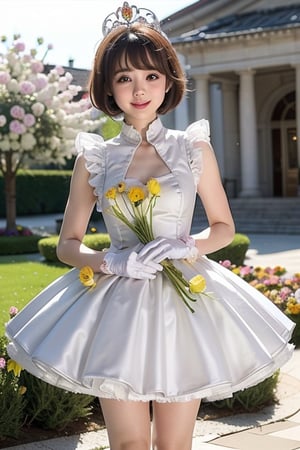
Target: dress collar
133, 136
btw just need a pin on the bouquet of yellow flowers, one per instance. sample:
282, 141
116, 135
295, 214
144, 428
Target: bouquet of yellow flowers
134, 207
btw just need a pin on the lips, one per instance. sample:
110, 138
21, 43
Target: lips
140, 105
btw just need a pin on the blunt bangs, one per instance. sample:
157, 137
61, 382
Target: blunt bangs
134, 52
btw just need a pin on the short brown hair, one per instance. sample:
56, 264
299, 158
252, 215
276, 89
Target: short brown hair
143, 48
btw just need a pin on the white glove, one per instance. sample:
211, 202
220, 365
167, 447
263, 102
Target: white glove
126, 263
162, 248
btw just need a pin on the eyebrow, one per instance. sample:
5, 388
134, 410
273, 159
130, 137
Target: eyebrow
123, 69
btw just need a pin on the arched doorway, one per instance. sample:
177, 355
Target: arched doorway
284, 147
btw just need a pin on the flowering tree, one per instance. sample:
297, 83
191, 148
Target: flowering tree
39, 118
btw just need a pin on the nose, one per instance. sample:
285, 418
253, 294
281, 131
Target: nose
138, 89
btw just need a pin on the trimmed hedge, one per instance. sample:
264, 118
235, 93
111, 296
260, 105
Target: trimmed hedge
47, 246
17, 245
235, 252
39, 191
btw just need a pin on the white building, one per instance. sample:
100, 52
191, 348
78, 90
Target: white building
242, 60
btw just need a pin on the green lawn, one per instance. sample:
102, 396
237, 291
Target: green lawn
21, 279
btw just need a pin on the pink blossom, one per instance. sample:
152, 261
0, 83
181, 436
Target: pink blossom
245, 270
29, 120
284, 293
226, 263
274, 279
59, 70
17, 127
17, 112
2, 363
27, 88
13, 310
50, 47
2, 120
37, 66
4, 78
40, 81
19, 47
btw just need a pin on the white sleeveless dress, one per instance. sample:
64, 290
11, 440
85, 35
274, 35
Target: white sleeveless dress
135, 339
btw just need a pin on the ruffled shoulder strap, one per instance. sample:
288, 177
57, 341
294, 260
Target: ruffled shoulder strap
93, 148
195, 134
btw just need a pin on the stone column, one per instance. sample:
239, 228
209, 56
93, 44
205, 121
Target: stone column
248, 136
202, 97
297, 68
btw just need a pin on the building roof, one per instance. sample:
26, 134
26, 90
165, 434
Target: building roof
245, 23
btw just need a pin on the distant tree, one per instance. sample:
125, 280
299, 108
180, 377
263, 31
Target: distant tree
39, 118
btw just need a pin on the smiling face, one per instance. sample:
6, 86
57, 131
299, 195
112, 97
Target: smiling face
121, 58
138, 92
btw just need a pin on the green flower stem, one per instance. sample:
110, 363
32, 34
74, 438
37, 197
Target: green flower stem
179, 283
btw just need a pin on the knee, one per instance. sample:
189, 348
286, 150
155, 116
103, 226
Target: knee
135, 444
168, 444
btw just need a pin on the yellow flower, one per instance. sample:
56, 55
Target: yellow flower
121, 187
22, 390
197, 284
153, 187
13, 366
111, 193
136, 194
86, 276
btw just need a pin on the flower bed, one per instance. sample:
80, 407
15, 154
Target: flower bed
282, 290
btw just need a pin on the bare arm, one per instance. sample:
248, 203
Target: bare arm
210, 189
78, 210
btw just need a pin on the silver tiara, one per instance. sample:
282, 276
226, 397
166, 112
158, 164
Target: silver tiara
127, 15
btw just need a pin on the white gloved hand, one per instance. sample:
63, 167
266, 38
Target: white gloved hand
162, 248
126, 263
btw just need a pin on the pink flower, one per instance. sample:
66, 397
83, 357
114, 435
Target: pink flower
59, 70
37, 66
29, 120
17, 112
226, 263
284, 293
13, 310
245, 270
27, 88
19, 47
50, 47
40, 81
2, 363
4, 78
17, 127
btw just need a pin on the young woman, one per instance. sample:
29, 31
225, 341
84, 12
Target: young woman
131, 339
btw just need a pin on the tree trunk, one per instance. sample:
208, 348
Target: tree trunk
10, 195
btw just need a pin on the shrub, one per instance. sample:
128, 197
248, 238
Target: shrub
13, 245
50, 407
235, 252
253, 398
47, 246
39, 191
12, 401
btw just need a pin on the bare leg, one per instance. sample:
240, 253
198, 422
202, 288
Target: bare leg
173, 425
127, 423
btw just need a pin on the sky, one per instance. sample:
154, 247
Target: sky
73, 27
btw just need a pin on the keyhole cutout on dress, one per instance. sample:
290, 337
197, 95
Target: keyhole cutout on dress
146, 163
